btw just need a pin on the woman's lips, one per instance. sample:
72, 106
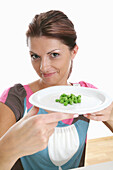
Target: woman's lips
48, 74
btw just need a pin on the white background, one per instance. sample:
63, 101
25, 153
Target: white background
93, 20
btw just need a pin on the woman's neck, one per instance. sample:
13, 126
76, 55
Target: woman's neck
39, 84
45, 85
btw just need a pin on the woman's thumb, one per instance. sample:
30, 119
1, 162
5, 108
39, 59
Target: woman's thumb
34, 110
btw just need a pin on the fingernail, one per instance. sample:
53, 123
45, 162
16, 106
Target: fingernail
85, 115
76, 116
93, 114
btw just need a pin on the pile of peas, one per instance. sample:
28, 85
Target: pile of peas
69, 99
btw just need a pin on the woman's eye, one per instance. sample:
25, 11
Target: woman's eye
54, 55
34, 56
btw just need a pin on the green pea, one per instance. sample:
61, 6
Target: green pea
68, 101
65, 103
63, 95
75, 101
68, 96
57, 100
73, 98
65, 99
72, 94
61, 101
79, 100
71, 102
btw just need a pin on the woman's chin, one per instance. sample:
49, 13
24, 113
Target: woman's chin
50, 80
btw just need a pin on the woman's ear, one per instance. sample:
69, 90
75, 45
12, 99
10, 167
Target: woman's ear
74, 52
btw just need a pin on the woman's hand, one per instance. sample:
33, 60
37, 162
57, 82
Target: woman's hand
28, 136
35, 130
103, 115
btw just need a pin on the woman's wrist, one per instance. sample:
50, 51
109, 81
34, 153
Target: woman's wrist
8, 155
111, 117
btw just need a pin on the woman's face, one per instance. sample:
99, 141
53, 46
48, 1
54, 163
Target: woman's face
51, 59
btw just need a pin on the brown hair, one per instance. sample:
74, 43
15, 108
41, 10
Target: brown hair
53, 24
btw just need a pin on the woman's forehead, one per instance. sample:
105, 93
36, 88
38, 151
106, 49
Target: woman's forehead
44, 39
45, 43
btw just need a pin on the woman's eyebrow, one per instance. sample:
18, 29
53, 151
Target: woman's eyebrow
32, 52
52, 51
47, 52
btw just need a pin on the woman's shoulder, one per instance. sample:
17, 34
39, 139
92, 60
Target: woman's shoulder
16, 90
14, 97
20, 90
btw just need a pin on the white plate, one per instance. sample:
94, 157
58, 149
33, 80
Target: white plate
92, 100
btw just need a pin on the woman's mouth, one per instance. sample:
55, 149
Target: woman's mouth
49, 74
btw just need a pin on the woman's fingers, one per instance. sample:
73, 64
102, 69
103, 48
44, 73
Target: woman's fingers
51, 125
53, 116
96, 117
93, 117
103, 115
57, 116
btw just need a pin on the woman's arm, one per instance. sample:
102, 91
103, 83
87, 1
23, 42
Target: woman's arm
7, 152
28, 136
7, 118
109, 123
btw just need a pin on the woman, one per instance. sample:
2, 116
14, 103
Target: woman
51, 39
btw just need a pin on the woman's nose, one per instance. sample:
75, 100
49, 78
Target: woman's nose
44, 65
